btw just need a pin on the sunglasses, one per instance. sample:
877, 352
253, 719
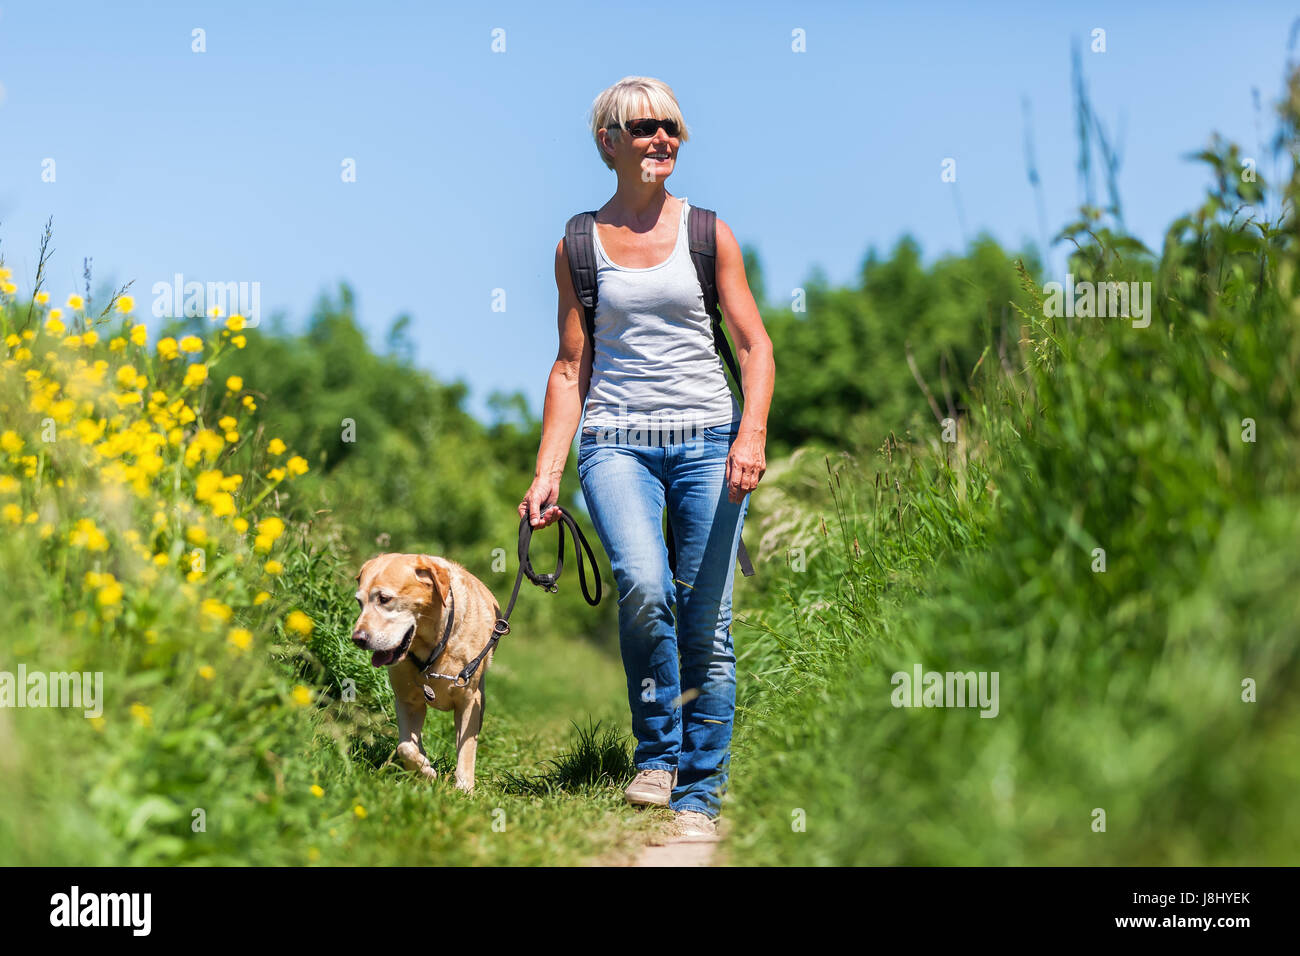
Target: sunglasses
642, 128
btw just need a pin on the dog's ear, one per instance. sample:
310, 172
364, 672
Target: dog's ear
429, 570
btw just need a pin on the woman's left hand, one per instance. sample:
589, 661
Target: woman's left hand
746, 462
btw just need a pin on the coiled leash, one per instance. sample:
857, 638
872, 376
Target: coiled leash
547, 582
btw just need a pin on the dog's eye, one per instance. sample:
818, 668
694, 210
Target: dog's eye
384, 598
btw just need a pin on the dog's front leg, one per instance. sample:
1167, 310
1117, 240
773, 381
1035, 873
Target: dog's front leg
469, 721
410, 723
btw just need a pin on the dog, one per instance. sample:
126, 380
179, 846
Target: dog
406, 602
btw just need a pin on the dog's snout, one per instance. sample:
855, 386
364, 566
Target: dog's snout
360, 637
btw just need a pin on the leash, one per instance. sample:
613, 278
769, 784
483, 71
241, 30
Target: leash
547, 582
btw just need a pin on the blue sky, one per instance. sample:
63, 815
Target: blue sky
225, 165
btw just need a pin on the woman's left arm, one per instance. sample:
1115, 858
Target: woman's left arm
747, 461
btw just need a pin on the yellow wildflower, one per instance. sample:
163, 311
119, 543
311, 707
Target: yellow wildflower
110, 595
216, 609
271, 526
142, 714
196, 375
86, 535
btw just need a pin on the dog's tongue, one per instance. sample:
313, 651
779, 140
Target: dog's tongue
381, 658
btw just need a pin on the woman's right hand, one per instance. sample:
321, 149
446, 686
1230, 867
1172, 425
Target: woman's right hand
541, 501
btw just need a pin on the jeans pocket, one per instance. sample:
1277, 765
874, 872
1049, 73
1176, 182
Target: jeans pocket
587, 446
721, 433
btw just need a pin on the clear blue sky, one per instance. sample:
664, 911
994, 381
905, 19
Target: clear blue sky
225, 165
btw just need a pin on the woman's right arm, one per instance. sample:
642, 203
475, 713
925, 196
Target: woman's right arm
566, 390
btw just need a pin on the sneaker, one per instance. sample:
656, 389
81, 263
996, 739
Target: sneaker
651, 788
691, 825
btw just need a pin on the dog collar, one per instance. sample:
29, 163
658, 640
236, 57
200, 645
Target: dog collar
424, 665
502, 626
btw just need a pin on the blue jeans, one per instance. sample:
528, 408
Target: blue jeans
681, 713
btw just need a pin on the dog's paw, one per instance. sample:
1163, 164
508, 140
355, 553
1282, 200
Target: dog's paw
463, 785
414, 761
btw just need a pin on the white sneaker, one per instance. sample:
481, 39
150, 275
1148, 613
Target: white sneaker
651, 788
693, 826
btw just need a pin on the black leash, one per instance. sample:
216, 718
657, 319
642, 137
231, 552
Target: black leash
548, 582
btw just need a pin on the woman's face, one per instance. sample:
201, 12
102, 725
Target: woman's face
648, 158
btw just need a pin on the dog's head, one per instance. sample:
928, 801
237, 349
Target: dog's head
399, 594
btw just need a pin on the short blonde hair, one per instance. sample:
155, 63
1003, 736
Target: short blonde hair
623, 102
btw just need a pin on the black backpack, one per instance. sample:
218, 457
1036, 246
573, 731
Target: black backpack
701, 227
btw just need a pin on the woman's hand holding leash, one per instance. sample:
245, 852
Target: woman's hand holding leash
539, 504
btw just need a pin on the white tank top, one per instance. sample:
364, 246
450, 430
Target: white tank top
654, 364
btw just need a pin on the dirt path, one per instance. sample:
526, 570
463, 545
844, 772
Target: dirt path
667, 848
679, 851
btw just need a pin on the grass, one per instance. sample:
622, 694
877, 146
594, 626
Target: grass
1148, 704
1112, 533
142, 543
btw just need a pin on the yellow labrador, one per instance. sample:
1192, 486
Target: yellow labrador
427, 619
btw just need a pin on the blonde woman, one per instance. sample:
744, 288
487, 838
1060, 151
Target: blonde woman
660, 428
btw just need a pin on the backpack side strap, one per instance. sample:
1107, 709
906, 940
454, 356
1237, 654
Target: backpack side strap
702, 230
702, 226
580, 248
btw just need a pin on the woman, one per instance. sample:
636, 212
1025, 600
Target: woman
661, 427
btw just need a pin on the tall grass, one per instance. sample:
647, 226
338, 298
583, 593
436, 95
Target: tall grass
1159, 692
142, 541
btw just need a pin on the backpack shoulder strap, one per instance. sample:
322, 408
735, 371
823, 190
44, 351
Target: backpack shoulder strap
580, 248
702, 229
